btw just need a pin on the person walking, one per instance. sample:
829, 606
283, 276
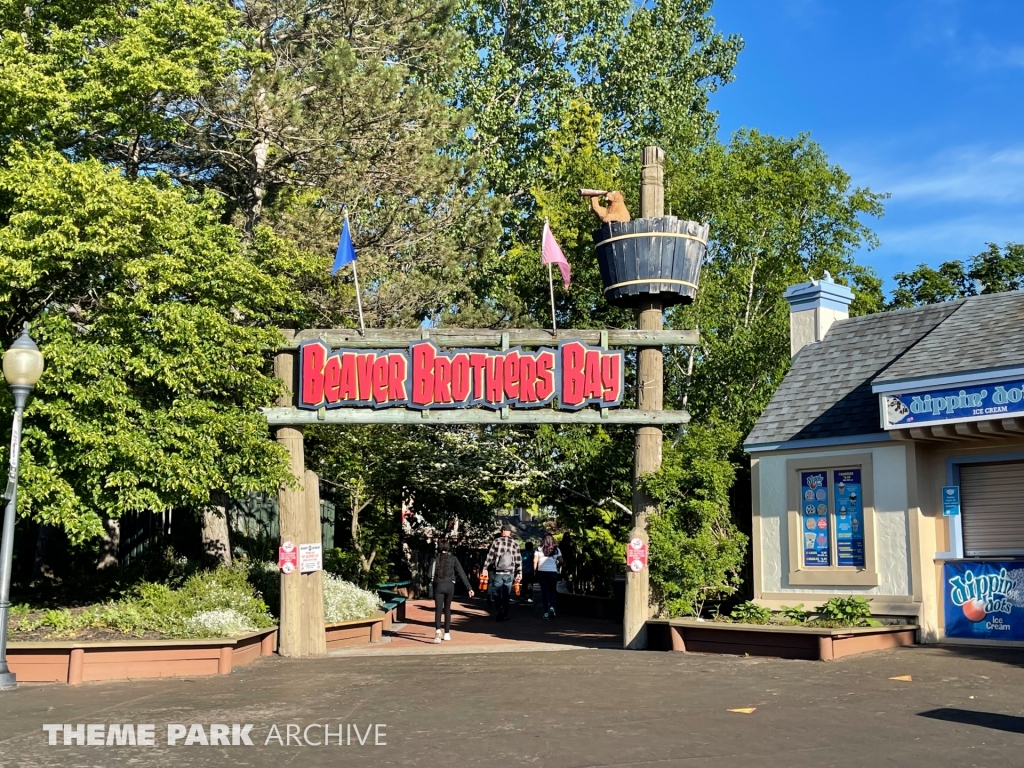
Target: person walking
506, 566
443, 571
545, 562
527, 586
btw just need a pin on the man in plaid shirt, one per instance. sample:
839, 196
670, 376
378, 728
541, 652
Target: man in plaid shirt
506, 566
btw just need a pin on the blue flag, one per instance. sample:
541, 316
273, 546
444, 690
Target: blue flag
346, 253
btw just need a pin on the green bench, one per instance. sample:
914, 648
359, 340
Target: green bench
392, 600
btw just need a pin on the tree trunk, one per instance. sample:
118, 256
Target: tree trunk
216, 542
258, 177
110, 545
41, 560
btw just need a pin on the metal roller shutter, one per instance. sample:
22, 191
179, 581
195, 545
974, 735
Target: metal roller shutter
992, 508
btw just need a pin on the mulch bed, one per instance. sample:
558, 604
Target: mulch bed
49, 634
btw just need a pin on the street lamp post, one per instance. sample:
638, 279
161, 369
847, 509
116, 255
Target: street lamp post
23, 365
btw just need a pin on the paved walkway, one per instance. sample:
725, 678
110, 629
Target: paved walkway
578, 708
474, 631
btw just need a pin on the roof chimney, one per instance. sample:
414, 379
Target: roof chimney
813, 307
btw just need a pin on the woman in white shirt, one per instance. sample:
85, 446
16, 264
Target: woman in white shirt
545, 565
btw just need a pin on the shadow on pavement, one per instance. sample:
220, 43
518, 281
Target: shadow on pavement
472, 624
997, 722
1011, 656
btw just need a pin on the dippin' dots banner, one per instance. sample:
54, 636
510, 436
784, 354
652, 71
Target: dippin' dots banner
984, 600
424, 376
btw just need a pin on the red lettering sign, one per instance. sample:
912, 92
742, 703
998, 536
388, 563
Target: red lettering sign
426, 376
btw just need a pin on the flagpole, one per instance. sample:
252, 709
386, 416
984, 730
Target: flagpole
359, 300
359, 295
551, 285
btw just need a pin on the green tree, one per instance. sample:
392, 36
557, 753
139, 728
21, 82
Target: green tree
780, 214
94, 80
696, 548
646, 68
992, 271
445, 472
333, 107
155, 323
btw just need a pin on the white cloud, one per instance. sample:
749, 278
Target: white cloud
958, 175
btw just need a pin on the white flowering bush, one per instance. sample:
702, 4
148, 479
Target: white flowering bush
344, 601
225, 622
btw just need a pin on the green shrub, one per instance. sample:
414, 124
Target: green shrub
344, 601
216, 603
696, 549
846, 612
61, 620
796, 613
751, 613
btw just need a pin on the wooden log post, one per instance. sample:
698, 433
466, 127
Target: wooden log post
650, 386
301, 630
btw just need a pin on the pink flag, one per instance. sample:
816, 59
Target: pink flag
550, 253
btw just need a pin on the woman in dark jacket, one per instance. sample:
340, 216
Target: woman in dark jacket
443, 571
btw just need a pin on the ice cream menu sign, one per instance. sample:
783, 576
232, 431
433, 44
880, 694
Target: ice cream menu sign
814, 493
849, 516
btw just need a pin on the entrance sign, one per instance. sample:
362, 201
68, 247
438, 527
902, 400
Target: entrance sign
950, 405
636, 554
311, 558
287, 557
950, 500
425, 377
984, 600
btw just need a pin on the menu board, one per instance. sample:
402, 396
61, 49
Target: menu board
814, 502
849, 515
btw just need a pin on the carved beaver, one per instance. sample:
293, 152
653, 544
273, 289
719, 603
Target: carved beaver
615, 211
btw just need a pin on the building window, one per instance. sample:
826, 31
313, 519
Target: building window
831, 521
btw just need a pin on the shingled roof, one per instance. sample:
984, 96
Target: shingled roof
986, 332
827, 392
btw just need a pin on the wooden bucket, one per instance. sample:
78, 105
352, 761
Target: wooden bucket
651, 257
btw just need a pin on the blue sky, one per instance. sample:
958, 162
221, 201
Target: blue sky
923, 99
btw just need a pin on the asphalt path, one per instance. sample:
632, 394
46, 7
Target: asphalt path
572, 708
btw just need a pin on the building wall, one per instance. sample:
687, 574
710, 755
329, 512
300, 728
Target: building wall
892, 540
912, 538
934, 463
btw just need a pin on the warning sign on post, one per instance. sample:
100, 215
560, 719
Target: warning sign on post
311, 558
287, 557
636, 554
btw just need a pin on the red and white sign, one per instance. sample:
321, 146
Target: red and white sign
427, 377
287, 557
311, 558
636, 554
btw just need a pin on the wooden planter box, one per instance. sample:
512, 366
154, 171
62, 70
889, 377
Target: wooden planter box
782, 642
79, 662
358, 632
660, 256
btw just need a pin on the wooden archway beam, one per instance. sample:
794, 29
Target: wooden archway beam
395, 338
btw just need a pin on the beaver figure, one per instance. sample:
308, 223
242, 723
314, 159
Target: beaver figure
615, 210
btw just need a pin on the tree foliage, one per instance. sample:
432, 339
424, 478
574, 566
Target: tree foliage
173, 176
780, 213
696, 547
992, 271
154, 321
